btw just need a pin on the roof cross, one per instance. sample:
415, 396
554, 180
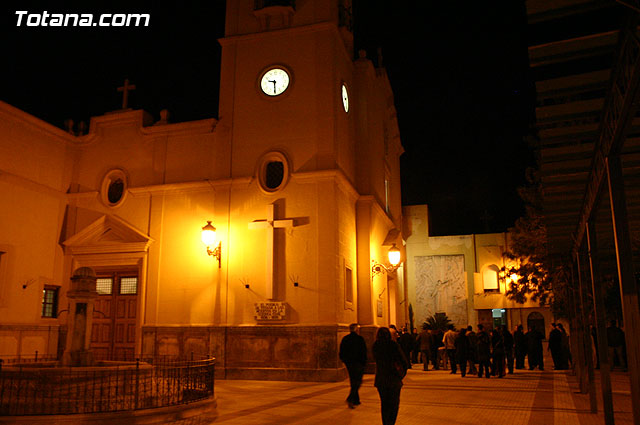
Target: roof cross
125, 92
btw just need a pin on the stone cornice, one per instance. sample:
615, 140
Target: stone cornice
47, 129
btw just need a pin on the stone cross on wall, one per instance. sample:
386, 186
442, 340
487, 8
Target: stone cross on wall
125, 92
271, 224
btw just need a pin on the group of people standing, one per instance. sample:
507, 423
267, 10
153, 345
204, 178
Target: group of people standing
559, 347
485, 352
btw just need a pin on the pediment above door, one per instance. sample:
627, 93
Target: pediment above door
108, 234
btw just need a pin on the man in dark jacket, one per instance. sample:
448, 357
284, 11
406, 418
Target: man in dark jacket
520, 347
498, 353
424, 344
508, 347
534, 348
406, 341
473, 350
616, 345
353, 353
555, 346
462, 350
484, 351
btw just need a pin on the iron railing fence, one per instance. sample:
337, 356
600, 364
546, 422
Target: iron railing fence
27, 359
149, 383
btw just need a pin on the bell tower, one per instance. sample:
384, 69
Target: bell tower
285, 71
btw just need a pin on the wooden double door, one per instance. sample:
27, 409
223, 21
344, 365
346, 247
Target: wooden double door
113, 334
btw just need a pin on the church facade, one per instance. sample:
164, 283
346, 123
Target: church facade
299, 176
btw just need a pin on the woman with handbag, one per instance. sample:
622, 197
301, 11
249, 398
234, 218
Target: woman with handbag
391, 367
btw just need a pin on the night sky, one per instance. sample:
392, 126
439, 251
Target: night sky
460, 77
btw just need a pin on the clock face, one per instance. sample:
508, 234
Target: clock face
345, 98
274, 82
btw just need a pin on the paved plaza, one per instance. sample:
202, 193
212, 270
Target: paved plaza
433, 397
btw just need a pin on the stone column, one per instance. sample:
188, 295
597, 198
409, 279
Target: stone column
81, 297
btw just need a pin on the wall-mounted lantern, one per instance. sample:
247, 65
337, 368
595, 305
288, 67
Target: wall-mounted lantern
209, 239
394, 262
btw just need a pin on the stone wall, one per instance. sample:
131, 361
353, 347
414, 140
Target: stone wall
290, 353
24, 340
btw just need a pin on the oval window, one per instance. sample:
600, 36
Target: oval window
273, 172
114, 188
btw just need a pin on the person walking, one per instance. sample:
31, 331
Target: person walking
353, 353
484, 352
424, 344
449, 341
462, 350
520, 343
391, 367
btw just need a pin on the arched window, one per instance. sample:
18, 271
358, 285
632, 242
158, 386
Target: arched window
490, 279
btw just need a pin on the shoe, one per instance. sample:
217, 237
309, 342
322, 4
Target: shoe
351, 405
452, 373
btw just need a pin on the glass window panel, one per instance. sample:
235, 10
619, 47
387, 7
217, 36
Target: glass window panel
128, 285
104, 286
49, 302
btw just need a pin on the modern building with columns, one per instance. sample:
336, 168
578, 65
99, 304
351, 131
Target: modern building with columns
298, 175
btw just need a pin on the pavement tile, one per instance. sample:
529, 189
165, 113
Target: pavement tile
433, 397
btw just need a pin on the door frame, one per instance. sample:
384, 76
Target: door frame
133, 260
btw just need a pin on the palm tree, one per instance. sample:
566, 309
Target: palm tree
438, 321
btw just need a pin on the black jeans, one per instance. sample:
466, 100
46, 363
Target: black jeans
484, 364
356, 370
425, 360
389, 404
509, 355
451, 354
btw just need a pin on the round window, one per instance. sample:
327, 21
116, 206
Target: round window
273, 172
114, 188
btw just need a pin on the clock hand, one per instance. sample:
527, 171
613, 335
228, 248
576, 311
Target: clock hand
274, 85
